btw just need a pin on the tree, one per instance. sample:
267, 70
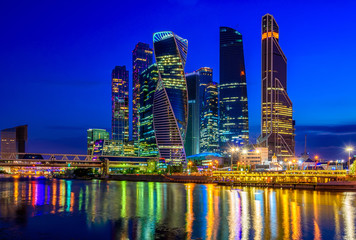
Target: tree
353, 168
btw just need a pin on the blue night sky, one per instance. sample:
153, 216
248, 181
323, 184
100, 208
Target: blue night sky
57, 57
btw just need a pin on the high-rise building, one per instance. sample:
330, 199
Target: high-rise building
197, 82
277, 125
93, 135
141, 59
13, 140
209, 131
120, 104
191, 144
170, 105
232, 90
147, 139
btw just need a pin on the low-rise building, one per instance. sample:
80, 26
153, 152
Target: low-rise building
252, 156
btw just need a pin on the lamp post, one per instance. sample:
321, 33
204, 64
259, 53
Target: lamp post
349, 149
233, 150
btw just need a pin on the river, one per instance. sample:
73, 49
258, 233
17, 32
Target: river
76, 209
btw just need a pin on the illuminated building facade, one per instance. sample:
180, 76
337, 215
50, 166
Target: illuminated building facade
197, 82
114, 148
141, 59
277, 125
233, 91
252, 156
120, 104
170, 105
147, 138
209, 128
13, 140
93, 135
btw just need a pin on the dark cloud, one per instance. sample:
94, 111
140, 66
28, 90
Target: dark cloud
338, 130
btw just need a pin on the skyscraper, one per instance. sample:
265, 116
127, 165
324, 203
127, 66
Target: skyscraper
197, 82
147, 139
120, 104
209, 131
141, 59
277, 125
170, 105
191, 143
233, 90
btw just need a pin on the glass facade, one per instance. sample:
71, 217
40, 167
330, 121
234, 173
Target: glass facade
234, 128
197, 83
147, 140
141, 59
209, 133
193, 129
170, 106
93, 135
277, 124
120, 104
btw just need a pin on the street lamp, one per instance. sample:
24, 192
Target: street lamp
349, 149
232, 154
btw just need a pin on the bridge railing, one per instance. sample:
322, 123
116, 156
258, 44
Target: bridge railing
291, 173
47, 157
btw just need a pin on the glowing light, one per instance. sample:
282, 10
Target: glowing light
349, 149
244, 151
270, 34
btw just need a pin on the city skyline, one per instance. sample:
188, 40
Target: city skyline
341, 132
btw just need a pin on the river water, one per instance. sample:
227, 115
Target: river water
75, 209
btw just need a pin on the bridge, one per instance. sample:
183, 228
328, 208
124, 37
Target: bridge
63, 161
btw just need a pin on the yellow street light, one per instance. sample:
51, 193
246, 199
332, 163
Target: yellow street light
244, 151
257, 151
349, 149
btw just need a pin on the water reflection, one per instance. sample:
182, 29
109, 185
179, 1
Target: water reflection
43, 209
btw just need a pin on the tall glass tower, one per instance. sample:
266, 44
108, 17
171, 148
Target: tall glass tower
141, 59
233, 91
209, 131
197, 83
277, 125
147, 138
120, 104
170, 105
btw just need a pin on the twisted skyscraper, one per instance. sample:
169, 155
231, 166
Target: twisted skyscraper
170, 105
277, 125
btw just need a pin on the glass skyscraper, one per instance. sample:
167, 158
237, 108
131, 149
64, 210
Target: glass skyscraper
197, 83
170, 106
209, 130
147, 139
141, 59
233, 91
277, 125
120, 104
193, 129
